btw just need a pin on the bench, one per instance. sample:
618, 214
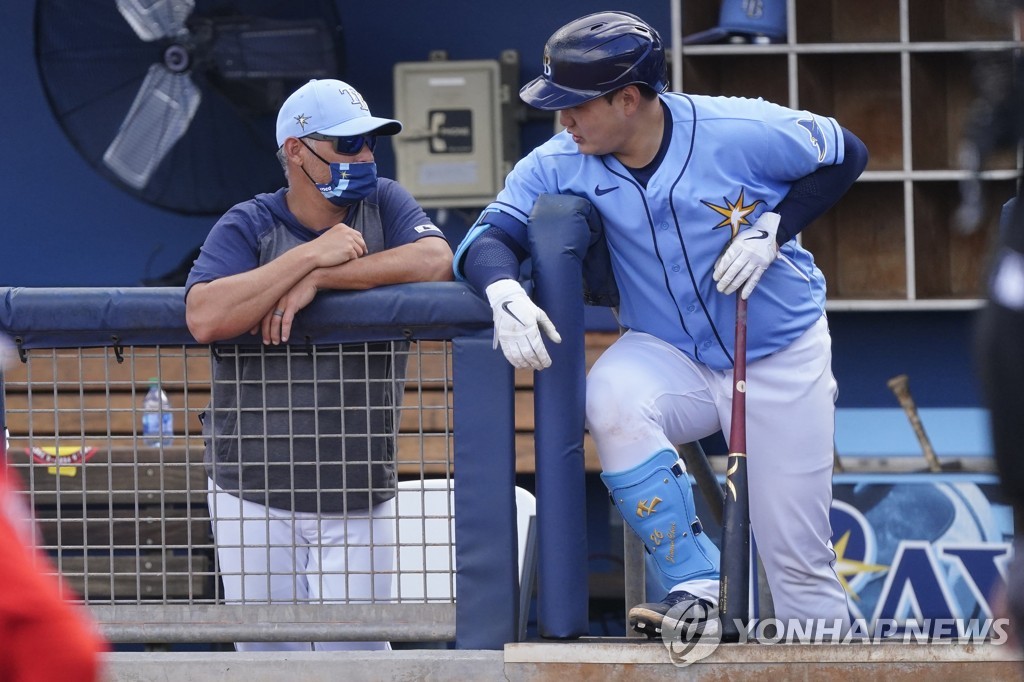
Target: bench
124, 521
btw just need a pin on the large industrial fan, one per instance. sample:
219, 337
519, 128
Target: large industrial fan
175, 100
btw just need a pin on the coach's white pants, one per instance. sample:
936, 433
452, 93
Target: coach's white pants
644, 395
270, 555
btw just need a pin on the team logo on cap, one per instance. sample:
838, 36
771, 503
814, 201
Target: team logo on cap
302, 120
753, 8
355, 98
547, 64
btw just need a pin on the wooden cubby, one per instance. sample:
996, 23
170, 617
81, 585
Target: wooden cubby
821, 21
863, 94
739, 75
900, 75
868, 262
955, 21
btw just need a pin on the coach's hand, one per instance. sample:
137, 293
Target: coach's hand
517, 325
748, 255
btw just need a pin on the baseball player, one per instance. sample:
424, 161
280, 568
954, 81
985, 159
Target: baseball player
673, 176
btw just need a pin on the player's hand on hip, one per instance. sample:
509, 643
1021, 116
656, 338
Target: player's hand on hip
748, 255
518, 323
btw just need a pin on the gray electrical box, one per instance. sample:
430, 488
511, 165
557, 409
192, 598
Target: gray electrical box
451, 150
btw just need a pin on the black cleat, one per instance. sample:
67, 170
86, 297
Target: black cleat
679, 611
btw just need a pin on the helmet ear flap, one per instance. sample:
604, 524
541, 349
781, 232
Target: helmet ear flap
594, 55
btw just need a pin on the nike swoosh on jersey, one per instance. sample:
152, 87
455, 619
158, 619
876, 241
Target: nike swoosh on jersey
601, 191
504, 306
761, 234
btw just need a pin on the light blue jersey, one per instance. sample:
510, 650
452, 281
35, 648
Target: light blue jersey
729, 160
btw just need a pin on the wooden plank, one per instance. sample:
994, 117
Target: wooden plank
108, 420
117, 480
95, 375
118, 476
117, 473
154, 575
96, 414
97, 369
426, 411
526, 461
170, 526
72, 413
430, 361
436, 454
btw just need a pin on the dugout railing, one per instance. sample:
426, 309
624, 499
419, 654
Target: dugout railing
570, 266
126, 522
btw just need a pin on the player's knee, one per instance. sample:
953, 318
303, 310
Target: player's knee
609, 407
613, 406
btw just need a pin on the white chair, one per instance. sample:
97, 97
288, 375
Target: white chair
425, 543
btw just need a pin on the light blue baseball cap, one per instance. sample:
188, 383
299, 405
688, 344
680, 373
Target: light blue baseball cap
329, 107
764, 19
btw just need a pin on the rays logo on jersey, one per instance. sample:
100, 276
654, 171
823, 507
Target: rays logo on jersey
817, 136
734, 213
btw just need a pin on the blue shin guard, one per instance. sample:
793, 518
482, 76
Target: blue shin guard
656, 501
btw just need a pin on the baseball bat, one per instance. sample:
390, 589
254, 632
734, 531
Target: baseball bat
900, 385
698, 465
837, 464
734, 586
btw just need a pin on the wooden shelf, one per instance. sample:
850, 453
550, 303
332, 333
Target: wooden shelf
950, 264
900, 75
942, 92
862, 256
824, 21
863, 94
953, 20
740, 75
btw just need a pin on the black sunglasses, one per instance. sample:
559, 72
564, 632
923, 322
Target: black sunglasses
347, 145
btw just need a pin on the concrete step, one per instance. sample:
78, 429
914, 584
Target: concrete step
589, 659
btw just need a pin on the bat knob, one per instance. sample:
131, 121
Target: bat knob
899, 384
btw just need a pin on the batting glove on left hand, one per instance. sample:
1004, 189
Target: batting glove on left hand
748, 255
517, 325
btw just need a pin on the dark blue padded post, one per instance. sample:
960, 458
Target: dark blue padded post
486, 546
562, 229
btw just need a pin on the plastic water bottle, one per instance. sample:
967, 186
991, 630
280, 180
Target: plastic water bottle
157, 417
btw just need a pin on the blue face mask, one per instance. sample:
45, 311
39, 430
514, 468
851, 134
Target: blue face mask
350, 182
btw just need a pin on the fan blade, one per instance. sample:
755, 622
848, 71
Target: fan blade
159, 116
155, 19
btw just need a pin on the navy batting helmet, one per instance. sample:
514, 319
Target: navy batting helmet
595, 55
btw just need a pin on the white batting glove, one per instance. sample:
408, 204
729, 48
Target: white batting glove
517, 325
748, 255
